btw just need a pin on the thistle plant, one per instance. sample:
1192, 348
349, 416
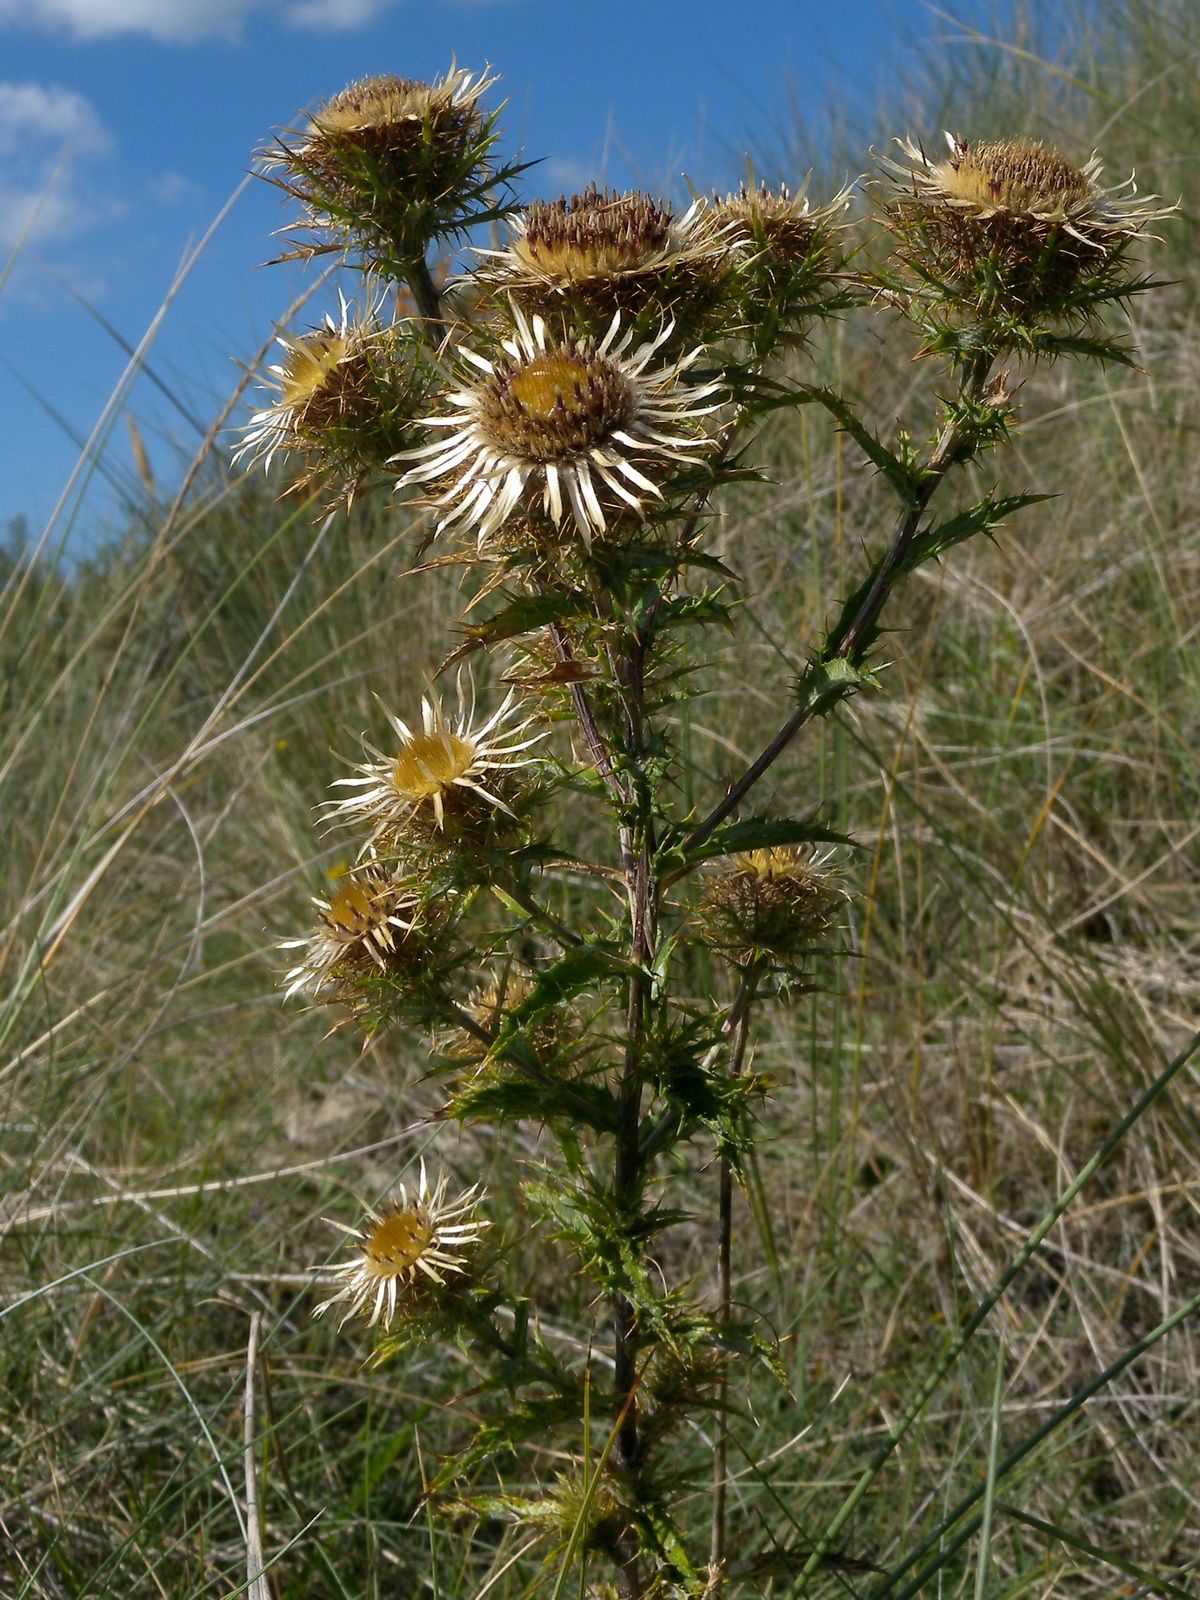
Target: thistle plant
585, 951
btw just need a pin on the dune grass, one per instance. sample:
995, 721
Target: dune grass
1023, 962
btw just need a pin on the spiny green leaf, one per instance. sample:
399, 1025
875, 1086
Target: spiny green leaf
980, 518
570, 975
523, 614
764, 833
509, 1095
694, 610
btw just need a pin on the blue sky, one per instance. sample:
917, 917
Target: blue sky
130, 123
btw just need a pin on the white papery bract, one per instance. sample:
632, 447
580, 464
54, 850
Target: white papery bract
359, 924
448, 753
405, 1240
576, 428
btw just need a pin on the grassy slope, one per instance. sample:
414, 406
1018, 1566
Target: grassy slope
1026, 790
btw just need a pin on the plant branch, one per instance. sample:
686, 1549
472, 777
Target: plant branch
858, 631
525, 901
426, 295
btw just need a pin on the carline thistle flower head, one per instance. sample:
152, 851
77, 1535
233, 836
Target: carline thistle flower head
405, 1241
343, 399
1024, 178
448, 755
775, 901
572, 427
786, 224
1044, 220
383, 140
612, 252
359, 925
388, 115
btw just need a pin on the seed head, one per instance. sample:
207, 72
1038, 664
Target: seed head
777, 901
403, 1243
575, 425
362, 927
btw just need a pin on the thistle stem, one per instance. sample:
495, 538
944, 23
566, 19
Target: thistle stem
426, 295
738, 1025
850, 646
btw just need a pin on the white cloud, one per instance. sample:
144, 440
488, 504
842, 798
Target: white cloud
46, 133
330, 16
185, 21
172, 188
33, 116
570, 177
172, 21
182, 21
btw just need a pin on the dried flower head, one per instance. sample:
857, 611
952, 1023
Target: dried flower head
392, 117
777, 901
786, 272
450, 756
360, 926
391, 162
575, 426
401, 1243
601, 253
1020, 207
787, 224
501, 992
345, 396
580, 1509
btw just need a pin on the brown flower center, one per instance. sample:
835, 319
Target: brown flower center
397, 1242
783, 222
1013, 175
555, 406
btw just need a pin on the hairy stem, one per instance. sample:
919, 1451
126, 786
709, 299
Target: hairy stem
630, 1161
738, 1026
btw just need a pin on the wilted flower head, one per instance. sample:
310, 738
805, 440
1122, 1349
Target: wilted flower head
575, 426
390, 162
345, 398
602, 252
448, 756
787, 224
401, 1243
776, 901
1019, 206
360, 925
